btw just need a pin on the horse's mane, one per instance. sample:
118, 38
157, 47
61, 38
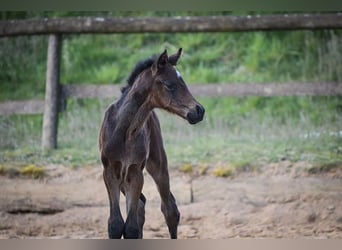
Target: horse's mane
139, 67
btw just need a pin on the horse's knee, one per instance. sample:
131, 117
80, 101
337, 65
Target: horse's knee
111, 171
134, 175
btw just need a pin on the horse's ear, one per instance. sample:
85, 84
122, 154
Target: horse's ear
160, 62
174, 58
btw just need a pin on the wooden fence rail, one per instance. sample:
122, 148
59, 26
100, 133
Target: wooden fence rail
56, 27
170, 24
112, 91
217, 90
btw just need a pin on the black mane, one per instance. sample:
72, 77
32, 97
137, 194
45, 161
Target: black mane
140, 67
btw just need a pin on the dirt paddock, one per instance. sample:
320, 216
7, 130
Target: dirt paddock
280, 200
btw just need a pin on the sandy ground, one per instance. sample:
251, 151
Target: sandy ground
278, 201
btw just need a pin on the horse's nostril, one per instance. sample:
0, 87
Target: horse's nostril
200, 110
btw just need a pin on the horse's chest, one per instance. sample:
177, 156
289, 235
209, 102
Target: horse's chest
134, 150
137, 148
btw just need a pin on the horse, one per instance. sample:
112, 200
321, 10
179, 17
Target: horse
130, 139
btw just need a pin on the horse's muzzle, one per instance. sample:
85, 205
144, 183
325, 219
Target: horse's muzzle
196, 115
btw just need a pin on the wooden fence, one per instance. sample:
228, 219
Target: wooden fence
56, 27
91, 25
80, 91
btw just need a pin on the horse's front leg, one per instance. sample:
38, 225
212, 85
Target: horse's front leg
111, 177
141, 213
135, 202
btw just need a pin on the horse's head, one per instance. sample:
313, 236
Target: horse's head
170, 91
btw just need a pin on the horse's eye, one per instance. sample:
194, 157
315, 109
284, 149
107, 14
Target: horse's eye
169, 86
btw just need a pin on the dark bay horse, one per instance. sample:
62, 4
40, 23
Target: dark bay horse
130, 139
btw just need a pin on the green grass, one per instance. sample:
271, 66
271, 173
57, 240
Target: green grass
250, 146
241, 141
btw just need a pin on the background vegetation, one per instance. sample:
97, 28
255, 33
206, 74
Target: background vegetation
238, 131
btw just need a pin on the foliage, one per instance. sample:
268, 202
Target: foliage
29, 170
223, 171
187, 168
32, 170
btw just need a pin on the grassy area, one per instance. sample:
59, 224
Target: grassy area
246, 140
238, 131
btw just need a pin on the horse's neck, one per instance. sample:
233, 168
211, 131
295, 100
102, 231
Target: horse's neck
133, 113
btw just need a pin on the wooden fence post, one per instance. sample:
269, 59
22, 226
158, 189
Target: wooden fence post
50, 120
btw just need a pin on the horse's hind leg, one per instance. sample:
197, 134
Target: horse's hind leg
159, 172
111, 177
